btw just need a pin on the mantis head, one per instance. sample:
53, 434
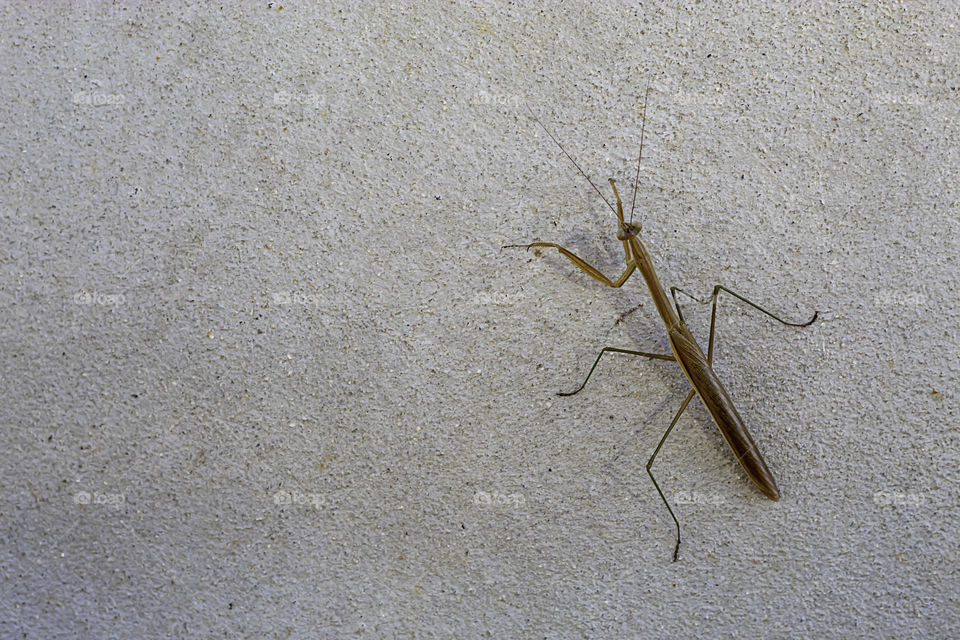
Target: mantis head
628, 230
625, 230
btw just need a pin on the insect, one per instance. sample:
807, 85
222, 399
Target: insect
696, 366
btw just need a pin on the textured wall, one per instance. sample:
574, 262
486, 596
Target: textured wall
267, 372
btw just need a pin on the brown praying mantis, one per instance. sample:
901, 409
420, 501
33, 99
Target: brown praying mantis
696, 366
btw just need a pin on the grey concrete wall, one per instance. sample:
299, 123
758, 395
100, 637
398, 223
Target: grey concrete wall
267, 372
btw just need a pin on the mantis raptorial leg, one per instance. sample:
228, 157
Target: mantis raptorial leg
695, 365
658, 356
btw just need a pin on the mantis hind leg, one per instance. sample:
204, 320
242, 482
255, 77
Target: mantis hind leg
658, 356
713, 315
676, 550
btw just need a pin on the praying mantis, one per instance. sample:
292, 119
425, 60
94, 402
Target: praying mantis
686, 352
